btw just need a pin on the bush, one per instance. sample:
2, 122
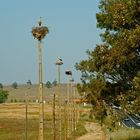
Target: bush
3, 96
81, 130
15, 100
15, 85
29, 83
48, 84
11, 101
1, 86
54, 83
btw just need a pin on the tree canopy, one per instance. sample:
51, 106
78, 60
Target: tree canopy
113, 67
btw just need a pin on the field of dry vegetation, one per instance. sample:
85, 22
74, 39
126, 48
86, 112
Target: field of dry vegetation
12, 117
18, 94
12, 121
12, 113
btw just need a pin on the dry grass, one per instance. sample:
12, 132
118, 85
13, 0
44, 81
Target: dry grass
32, 93
12, 121
12, 115
126, 134
17, 110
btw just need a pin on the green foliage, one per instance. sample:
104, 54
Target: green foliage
126, 134
1, 86
54, 83
3, 96
29, 83
81, 130
15, 100
48, 84
11, 101
113, 67
15, 85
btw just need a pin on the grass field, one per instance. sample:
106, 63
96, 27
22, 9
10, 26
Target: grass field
32, 93
12, 121
126, 134
12, 113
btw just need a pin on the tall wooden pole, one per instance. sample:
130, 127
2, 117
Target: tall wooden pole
41, 106
71, 106
59, 74
26, 110
26, 117
68, 73
60, 96
39, 33
68, 108
59, 62
65, 120
54, 127
74, 108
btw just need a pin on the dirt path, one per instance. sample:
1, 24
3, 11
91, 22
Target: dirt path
94, 132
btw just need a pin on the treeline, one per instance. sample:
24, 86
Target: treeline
14, 85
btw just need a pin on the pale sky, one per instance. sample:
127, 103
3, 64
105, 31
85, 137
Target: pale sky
72, 25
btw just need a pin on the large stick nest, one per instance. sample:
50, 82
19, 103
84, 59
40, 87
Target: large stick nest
40, 32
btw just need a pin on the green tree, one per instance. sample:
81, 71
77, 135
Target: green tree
29, 83
48, 84
1, 86
3, 96
113, 67
54, 83
15, 85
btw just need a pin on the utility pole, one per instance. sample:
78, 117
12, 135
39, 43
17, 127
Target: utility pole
39, 33
26, 110
26, 117
59, 62
65, 120
68, 73
54, 128
74, 97
71, 104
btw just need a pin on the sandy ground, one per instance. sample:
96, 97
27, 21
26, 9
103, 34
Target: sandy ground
94, 132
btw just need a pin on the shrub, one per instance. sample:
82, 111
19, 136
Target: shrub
15, 85
29, 83
3, 96
15, 100
11, 101
81, 130
48, 84
1, 86
54, 83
